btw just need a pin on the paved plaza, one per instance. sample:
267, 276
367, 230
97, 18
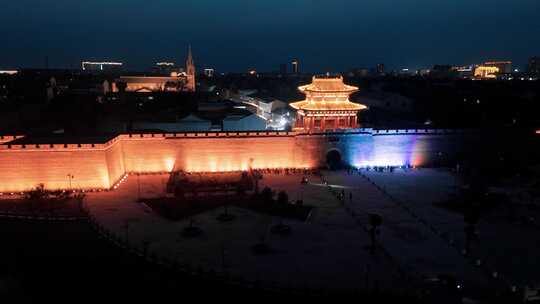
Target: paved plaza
329, 249
509, 249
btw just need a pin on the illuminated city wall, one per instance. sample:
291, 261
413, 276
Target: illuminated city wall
102, 165
24, 168
114, 158
416, 149
211, 154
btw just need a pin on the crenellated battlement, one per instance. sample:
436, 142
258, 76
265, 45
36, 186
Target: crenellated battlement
208, 134
376, 132
8, 138
52, 147
6, 146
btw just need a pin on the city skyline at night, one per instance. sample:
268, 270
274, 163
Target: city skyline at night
234, 36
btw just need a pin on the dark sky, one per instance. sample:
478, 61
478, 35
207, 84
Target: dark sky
234, 35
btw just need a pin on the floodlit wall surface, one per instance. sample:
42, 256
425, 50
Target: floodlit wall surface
114, 158
102, 165
23, 169
218, 153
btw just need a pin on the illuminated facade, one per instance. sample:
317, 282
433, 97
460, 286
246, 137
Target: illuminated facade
505, 67
327, 106
8, 72
176, 82
486, 72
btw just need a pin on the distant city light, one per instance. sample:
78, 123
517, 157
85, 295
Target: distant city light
100, 64
165, 64
9, 72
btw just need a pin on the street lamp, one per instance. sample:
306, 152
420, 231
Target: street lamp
70, 177
138, 186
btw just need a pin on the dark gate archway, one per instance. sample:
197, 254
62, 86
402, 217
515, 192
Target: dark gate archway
333, 160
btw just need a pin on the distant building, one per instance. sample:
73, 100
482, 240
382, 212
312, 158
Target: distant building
406, 72
244, 121
486, 72
465, 72
176, 82
533, 67
190, 123
101, 66
209, 73
359, 72
295, 66
505, 67
441, 71
265, 105
424, 72
380, 69
388, 101
166, 68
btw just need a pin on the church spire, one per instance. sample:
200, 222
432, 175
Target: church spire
189, 59
190, 70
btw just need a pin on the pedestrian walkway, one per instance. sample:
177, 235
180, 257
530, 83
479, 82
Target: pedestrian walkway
328, 252
422, 252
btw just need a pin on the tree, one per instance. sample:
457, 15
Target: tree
282, 198
375, 221
267, 195
38, 193
281, 205
471, 218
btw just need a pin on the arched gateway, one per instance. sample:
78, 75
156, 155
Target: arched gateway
333, 159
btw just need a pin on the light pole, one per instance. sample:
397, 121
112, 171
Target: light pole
138, 186
126, 225
70, 177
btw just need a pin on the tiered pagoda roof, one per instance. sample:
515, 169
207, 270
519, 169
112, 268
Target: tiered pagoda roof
327, 93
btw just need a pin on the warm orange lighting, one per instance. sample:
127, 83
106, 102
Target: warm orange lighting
486, 72
327, 105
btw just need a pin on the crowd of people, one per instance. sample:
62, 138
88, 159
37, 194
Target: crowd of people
391, 169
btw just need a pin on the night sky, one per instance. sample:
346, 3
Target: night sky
234, 35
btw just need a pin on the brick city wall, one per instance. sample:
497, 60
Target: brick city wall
199, 152
25, 167
102, 165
